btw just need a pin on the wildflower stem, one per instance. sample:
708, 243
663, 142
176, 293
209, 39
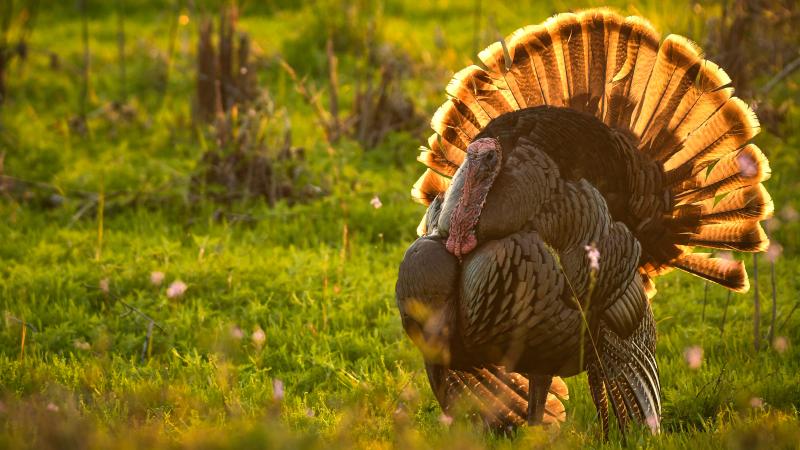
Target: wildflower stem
22, 341
705, 302
756, 306
725, 315
774, 302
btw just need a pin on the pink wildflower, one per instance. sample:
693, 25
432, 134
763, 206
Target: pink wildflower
789, 214
727, 256
258, 337
237, 333
756, 402
104, 285
52, 407
176, 289
156, 278
594, 257
774, 251
376, 202
277, 389
654, 423
780, 344
445, 420
772, 225
747, 166
694, 356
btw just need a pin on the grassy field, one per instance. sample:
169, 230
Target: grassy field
286, 334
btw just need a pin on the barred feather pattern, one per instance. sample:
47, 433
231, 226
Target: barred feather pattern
676, 107
497, 396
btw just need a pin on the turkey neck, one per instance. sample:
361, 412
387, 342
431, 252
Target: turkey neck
466, 213
478, 174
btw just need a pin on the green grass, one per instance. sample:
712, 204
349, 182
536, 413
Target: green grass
323, 296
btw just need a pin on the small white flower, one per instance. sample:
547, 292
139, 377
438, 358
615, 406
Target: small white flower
277, 389
176, 289
594, 257
376, 202
156, 278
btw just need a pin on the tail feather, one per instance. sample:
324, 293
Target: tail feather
429, 185
710, 91
497, 395
733, 171
476, 88
726, 130
677, 107
750, 203
739, 236
676, 66
728, 273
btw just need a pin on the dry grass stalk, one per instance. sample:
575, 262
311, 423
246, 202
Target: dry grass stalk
252, 153
380, 105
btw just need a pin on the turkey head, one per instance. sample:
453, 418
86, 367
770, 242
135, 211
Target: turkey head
494, 193
465, 200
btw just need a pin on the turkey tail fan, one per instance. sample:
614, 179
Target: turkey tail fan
497, 395
677, 108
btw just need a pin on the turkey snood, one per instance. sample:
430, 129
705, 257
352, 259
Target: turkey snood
480, 170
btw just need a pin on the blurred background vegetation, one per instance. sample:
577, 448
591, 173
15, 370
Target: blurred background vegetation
203, 205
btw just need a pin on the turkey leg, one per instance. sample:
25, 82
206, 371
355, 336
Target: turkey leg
537, 396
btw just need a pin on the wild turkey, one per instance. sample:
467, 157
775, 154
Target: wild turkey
580, 163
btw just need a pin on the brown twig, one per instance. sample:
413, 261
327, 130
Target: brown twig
789, 316
140, 313
791, 67
21, 322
